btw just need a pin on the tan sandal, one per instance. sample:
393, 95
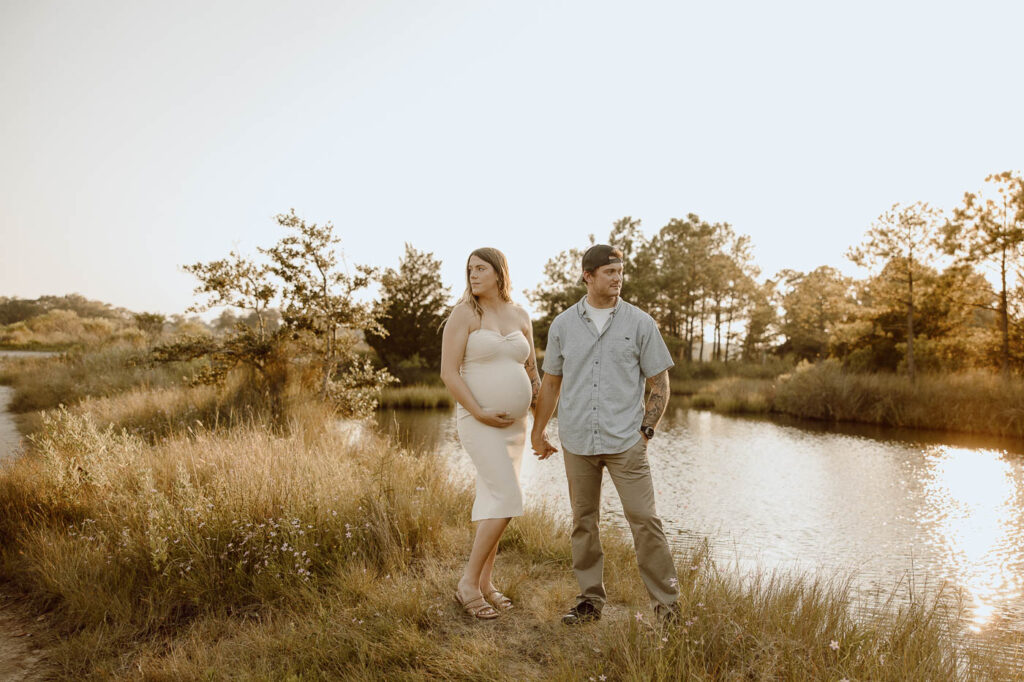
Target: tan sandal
499, 601
478, 608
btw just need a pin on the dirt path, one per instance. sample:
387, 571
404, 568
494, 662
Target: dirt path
21, 657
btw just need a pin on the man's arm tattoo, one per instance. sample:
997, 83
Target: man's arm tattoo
657, 401
531, 371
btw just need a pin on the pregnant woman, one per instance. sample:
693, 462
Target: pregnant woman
488, 364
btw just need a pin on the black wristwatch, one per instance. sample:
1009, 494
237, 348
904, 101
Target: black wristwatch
648, 432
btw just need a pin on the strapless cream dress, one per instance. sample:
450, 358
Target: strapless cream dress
492, 368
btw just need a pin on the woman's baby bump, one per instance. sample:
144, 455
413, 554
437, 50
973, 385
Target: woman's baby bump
501, 384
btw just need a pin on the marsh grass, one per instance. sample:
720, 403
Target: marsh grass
328, 552
417, 396
974, 402
44, 383
970, 402
735, 395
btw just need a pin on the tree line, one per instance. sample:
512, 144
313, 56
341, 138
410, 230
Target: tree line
944, 294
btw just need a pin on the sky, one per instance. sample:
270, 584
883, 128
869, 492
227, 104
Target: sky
139, 136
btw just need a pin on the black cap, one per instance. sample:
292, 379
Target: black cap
600, 254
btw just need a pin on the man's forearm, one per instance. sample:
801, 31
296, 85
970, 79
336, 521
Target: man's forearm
657, 401
547, 399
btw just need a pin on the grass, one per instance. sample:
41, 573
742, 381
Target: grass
419, 396
735, 395
329, 553
324, 551
970, 402
47, 382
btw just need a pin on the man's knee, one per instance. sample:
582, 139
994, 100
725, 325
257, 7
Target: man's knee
586, 514
643, 516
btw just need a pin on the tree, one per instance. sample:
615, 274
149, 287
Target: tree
559, 290
412, 308
152, 324
321, 312
761, 323
686, 248
988, 229
907, 236
321, 327
815, 304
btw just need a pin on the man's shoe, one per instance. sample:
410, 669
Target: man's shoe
670, 615
584, 612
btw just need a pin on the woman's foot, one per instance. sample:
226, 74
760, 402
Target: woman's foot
498, 600
473, 602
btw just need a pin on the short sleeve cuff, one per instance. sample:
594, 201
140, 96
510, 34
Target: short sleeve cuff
648, 375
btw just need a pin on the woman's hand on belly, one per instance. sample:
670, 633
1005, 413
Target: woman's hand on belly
496, 418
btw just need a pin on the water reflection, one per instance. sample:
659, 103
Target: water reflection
884, 505
973, 510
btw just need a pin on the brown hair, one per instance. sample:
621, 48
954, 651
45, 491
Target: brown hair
496, 259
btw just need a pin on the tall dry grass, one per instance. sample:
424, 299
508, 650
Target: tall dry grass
326, 552
46, 382
417, 396
735, 395
973, 402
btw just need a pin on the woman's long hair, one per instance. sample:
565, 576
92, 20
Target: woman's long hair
496, 259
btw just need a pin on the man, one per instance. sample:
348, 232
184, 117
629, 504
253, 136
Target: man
599, 353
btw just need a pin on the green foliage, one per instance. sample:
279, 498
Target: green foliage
412, 307
561, 289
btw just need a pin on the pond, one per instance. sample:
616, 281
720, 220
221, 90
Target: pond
887, 506
10, 438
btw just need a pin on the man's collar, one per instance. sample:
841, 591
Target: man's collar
581, 306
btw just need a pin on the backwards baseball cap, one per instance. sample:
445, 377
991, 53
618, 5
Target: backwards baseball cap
600, 254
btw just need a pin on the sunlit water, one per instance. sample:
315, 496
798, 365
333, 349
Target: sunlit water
892, 508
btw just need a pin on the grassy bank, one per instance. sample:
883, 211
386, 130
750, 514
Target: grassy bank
43, 383
327, 552
420, 396
975, 402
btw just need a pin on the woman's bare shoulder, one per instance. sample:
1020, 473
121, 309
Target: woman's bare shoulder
462, 315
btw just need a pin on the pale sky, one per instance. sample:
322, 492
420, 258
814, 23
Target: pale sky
138, 136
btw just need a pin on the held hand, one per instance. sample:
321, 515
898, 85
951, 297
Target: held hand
496, 418
542, 447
